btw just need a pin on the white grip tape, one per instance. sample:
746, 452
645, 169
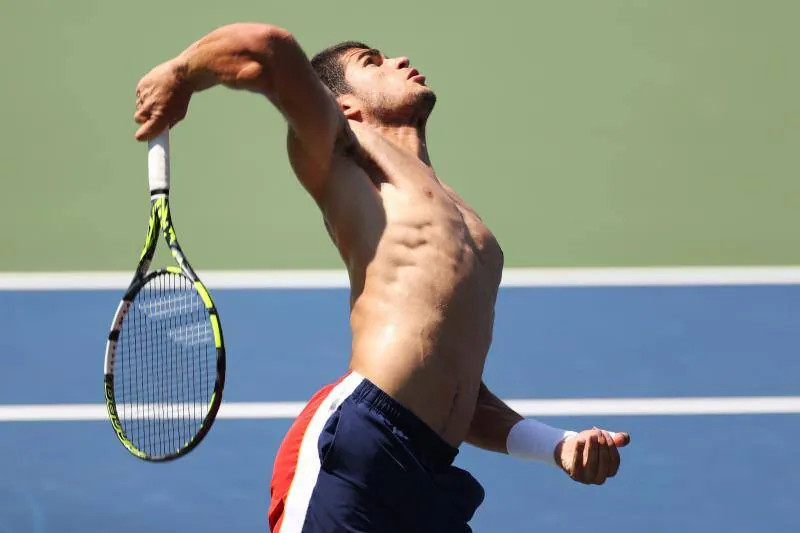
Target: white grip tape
158, 162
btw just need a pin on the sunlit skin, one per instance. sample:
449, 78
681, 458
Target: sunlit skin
424, 268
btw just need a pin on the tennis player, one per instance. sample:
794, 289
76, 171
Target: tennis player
374, 451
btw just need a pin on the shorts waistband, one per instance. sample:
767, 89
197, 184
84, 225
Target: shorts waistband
426, 444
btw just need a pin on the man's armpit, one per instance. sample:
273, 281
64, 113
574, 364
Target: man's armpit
346, 141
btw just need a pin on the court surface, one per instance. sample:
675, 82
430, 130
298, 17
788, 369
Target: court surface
731, 473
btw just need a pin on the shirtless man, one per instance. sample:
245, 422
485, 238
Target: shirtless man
374, 450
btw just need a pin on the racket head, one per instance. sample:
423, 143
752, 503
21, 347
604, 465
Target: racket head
164, 366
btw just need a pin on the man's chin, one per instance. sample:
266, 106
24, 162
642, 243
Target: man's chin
426, 98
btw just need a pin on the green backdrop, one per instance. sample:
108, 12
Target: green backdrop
586, 133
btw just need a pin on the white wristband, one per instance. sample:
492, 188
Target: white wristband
532, 440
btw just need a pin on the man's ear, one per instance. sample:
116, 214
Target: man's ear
351, 107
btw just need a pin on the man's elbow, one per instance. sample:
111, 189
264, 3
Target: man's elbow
264, 38
255, 51
252, 39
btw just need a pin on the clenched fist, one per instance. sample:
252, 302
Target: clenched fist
591, 456
162, 99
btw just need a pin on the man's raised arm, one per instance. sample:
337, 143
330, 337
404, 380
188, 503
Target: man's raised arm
254, 57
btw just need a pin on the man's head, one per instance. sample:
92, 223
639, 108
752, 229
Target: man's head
370, 86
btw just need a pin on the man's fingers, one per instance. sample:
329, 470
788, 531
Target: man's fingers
613, 453
149, 129
603, 460
622, 439
141, 133
577, 459
595, 455
590, 459
142, 116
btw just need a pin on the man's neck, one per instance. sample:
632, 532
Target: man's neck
409, 137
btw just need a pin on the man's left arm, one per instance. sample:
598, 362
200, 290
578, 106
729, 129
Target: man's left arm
589, 457
492, 422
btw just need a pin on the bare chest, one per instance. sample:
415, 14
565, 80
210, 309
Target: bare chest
405, 201
480, 236
425, 211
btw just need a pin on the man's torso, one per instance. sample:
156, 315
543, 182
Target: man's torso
424, 273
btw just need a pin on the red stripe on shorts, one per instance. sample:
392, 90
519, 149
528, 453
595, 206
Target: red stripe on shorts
285, 465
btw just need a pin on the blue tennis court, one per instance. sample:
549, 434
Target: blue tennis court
732, 473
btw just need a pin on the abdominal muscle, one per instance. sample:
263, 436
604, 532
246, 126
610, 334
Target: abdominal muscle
423, 314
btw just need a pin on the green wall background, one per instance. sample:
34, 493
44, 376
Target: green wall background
586, 133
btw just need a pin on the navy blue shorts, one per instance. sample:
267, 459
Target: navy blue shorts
356, 460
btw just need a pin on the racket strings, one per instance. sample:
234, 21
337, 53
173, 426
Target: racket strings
167, 361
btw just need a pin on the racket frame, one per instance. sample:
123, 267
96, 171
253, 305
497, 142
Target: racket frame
161, 222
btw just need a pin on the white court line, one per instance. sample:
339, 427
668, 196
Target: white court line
512, 277
558, 407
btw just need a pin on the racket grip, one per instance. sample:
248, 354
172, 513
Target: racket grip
158, 163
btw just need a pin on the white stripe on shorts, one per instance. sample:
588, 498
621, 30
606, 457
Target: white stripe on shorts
308, 465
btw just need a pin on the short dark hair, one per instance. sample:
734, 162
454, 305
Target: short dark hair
328, 66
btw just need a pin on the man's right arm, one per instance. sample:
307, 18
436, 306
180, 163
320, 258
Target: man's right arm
255, 57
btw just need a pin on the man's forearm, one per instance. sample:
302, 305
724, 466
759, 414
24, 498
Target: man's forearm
492, 422
261, 58
238, 56
498, 428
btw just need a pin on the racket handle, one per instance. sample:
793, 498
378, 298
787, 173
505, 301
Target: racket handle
158, 163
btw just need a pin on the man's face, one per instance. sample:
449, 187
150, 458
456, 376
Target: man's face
389, 88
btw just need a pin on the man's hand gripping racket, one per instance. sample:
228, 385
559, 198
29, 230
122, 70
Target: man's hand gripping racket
165, 358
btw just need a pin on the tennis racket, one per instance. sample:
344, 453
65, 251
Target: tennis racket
165, 357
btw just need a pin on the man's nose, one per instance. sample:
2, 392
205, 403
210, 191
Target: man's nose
402, 62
